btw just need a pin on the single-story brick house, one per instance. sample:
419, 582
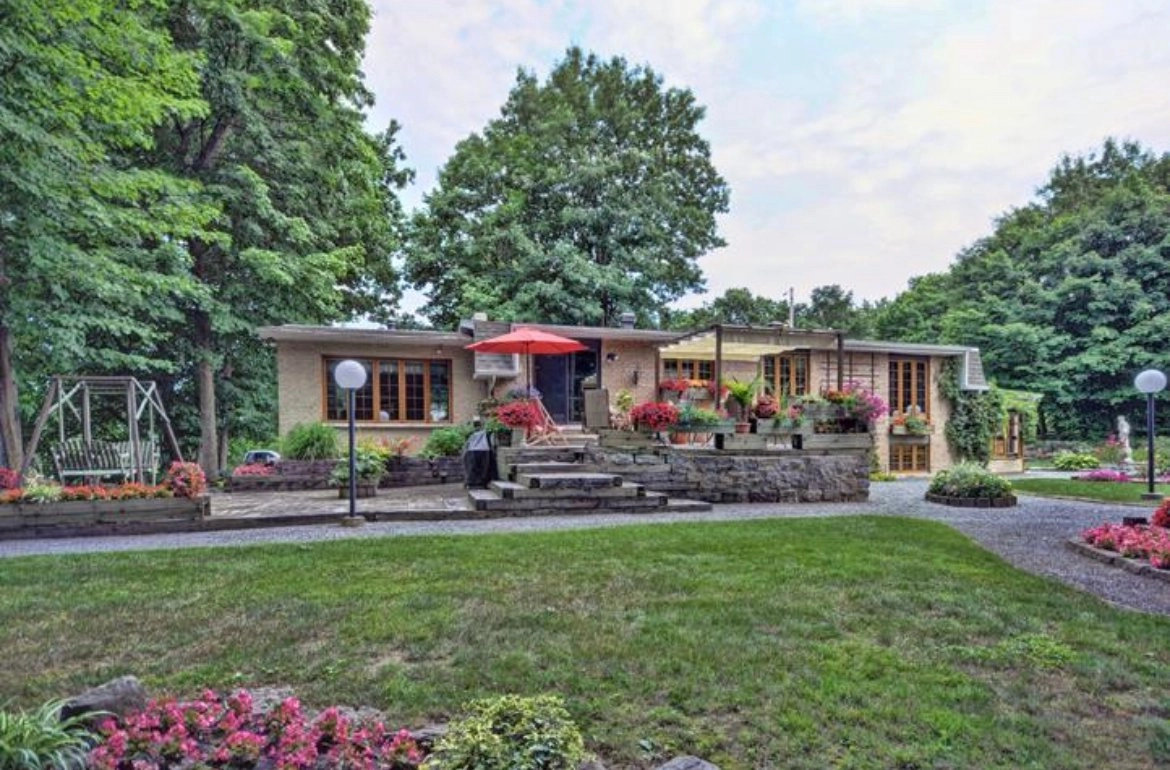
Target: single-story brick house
421, 379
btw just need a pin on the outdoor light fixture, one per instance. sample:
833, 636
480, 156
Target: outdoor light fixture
350, 376
1151, 382
611, 356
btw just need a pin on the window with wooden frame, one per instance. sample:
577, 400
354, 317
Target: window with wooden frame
787, 373
396, 390
909, 457
910, 385
686, 369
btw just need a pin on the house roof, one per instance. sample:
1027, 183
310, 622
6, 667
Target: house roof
419, 337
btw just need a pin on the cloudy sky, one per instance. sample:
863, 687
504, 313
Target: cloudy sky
865, 141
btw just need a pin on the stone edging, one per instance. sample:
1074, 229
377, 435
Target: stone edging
973, 502
1115, 559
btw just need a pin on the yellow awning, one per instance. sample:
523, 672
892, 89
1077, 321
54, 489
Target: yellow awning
747, 343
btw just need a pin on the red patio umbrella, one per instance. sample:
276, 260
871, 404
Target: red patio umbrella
528, 342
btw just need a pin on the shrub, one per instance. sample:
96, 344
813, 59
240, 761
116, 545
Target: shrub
511, 733
692, 416
254, 469
654, 415
446, 442
1074, 461
1161, 517
519, 414
311, 441
41, 739
186, 479
369, 462
969, 480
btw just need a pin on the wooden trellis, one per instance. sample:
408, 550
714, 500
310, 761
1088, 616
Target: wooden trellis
72, 397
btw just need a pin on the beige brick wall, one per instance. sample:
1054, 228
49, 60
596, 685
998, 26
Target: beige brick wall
301, 374
633, 359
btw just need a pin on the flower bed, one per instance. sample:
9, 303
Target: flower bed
227, 732
1104, 474
968, 485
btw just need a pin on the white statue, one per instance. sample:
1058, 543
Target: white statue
1123, 440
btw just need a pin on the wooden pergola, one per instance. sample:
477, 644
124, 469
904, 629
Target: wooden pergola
726, 342
73, 396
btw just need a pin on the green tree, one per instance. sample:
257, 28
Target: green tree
833, 307
591, 195
1070, 296
309, 219
89, 244
734, 306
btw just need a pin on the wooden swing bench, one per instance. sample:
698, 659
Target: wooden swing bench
76, 459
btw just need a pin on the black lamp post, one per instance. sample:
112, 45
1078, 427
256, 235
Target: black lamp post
350, 376
1151, 382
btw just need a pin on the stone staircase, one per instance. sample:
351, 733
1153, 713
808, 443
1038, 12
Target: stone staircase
555, 480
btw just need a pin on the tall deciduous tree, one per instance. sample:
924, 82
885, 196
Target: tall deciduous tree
1070, 296
89, 244
592, 194
310, 219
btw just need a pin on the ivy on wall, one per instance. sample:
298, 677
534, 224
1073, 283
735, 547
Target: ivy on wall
975, 416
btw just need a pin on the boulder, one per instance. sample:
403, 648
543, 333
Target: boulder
688, 763
119, 696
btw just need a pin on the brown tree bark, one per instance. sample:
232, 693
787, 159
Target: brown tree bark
205, 383
11, 437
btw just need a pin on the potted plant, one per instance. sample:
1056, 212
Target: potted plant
370, 465
672, 389
654, 415
521, 416
742, 394
916, 424
898, 423
691, 420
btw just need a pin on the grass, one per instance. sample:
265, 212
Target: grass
852, 643
1105, 491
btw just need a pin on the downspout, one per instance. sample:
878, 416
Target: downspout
718, 364
840, 361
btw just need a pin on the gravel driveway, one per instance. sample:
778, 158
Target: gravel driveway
1030, 536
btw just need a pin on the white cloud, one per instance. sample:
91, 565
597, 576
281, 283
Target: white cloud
879, 162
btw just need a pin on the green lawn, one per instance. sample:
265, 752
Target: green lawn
812, 643
1105, 491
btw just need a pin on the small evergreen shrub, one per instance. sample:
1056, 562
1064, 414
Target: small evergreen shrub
1075, 461
511, 733
311, 441
40, 740
969, 480
446, 442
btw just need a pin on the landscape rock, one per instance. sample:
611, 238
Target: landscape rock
688, 763
119, 696
428, 735
593, 763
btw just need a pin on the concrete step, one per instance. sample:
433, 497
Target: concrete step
510, 489
489, 500
540, 454
568, 480
680, 505
549, 467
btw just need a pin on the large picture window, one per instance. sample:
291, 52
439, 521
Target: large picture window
787, 373
909, 380
686, 369
396, 390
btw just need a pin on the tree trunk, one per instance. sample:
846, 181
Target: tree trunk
11, 440
205, 377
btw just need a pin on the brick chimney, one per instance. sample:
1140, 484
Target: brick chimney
627, 319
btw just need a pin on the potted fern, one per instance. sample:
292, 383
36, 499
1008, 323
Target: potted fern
742, 394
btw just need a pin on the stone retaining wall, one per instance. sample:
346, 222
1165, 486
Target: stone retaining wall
292, 475
721, 476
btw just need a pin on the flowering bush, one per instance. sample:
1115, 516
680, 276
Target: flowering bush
1103, 474
674, 385
857, 402
45, 492
9, 479
254, 469
186, 479
519, 414
1138, 542
655, 415
1161, 517
224, 732
766, 407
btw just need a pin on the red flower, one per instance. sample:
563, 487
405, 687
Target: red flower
654, 415
519, 414
1161, 517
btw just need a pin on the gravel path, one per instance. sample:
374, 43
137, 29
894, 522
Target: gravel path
1030, 536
